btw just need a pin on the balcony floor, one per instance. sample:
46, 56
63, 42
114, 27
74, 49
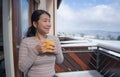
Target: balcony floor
90, 73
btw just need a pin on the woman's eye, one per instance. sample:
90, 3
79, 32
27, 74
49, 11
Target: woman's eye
44, 21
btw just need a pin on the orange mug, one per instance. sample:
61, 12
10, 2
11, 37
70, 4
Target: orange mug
49, 45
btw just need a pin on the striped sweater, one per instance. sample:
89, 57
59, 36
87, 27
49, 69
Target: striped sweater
38, 65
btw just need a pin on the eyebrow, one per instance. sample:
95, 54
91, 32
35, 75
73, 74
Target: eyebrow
45, 18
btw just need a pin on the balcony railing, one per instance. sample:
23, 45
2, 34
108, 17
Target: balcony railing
87, 55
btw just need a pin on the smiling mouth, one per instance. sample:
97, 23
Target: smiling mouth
47, 29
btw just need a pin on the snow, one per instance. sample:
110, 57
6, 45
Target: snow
113, 47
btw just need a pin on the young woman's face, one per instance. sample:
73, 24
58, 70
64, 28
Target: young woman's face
43, 25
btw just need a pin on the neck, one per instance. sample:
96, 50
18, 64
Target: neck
40, 36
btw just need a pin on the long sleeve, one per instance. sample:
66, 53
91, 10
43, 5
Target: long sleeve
27, 56
59, 56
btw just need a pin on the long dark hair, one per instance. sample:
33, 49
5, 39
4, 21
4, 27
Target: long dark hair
34, 18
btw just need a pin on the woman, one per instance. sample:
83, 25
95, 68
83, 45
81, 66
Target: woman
33, 56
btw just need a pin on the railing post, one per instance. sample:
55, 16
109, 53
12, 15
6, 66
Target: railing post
97, 59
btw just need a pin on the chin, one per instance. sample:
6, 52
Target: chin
46, 32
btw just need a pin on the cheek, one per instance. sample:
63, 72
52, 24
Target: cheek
39, 28
41, 25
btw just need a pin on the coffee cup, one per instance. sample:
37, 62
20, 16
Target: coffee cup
49, 44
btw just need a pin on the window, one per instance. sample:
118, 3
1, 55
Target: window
97, 19
24, 17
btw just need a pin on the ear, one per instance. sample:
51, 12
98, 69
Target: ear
35, 24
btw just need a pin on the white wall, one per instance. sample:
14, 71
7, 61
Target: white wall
42, 4
7, 38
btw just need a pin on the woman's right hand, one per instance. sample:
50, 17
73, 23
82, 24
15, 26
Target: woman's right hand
40, 47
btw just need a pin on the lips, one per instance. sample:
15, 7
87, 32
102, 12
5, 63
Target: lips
47, 29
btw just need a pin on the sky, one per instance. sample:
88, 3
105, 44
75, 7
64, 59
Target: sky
24, 17
76, 15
